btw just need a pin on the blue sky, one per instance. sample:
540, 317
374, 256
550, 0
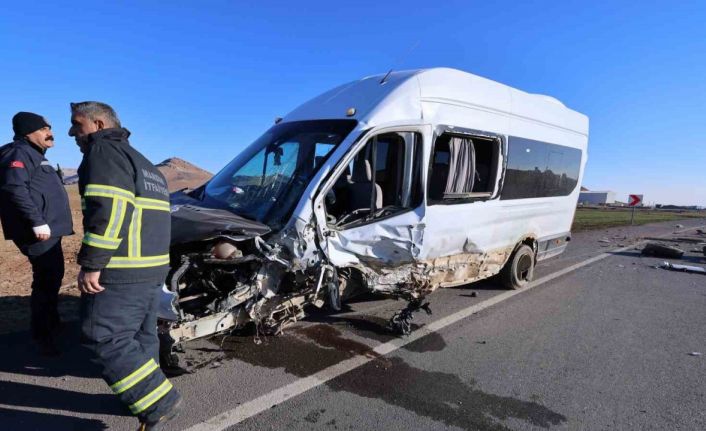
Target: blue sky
201, 80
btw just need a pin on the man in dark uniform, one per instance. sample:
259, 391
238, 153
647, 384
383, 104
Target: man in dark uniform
124, 260
35, 214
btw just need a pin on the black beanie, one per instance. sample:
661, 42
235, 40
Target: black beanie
24, 123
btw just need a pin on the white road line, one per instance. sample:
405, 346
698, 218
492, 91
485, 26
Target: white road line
280, 395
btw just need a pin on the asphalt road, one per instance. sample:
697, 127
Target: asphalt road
606, 344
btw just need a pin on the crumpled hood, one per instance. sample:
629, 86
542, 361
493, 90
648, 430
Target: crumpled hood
192, 222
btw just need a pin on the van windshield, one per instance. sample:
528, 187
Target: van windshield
266, 181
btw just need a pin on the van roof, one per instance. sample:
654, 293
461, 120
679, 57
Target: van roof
412, 94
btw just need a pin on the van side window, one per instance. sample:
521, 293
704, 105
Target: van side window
383, 179
463, 168
537, 169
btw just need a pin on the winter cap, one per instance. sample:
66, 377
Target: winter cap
24, 123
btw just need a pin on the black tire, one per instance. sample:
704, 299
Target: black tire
519, 269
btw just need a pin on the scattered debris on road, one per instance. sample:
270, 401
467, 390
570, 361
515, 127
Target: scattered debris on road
679, 226
689, 239
695, 354
662, 250
401, 322
683, 268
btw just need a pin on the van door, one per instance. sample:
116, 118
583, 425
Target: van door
468, 236
370, 212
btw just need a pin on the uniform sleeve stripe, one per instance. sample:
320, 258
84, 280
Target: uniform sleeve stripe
108, 192
116, 216
150, 201
101, 241
152, 204
138, 262
133, 249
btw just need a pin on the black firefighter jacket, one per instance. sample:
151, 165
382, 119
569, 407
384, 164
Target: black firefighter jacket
126, 218
31, 194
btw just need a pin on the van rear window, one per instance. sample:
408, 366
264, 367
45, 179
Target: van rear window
537, 169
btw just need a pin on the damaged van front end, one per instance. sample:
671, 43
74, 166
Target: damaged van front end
236, 255
395, 185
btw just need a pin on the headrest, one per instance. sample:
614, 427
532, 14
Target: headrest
362, 172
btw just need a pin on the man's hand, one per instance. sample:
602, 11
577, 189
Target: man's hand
88, 282
42, 233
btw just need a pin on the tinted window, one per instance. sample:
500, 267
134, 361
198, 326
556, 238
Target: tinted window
537, 169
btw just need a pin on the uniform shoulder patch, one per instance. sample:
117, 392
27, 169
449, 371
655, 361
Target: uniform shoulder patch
17, 164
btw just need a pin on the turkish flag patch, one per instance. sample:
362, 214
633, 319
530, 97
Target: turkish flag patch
17, 164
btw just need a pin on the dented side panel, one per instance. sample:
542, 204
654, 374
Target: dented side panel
392, 242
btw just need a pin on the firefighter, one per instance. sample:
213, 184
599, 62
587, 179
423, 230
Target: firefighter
35, 214
124, 260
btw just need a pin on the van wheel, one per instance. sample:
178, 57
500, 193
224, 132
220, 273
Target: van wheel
519, 270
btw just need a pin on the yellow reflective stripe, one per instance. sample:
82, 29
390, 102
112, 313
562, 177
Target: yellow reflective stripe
122, 217
152, 204
145, 402
113, 218
117, 214
101, 241
135, 377
138, 239
105, 191
138, 262
132, 235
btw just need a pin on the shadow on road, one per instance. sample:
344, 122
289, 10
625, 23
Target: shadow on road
54, 398
20, 356
21, 420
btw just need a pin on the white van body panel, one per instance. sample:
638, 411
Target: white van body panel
406, 241
450, 244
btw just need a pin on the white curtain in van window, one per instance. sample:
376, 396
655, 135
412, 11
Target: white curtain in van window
462, 161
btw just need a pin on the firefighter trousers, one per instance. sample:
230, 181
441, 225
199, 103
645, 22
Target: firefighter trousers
119, 325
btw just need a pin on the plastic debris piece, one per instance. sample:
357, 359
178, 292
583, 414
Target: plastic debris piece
684, 268
474, 294
605, 240
401, 322
661, 250
679, 226
695, 354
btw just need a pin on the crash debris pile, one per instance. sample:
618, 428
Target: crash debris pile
657, 248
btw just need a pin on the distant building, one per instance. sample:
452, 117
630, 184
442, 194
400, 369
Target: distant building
596, 198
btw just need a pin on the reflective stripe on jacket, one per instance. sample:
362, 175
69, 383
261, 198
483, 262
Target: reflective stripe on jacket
125, 204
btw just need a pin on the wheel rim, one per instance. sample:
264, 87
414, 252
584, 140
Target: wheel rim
524, 268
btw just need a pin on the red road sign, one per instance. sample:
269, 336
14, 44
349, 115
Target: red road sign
634, 200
